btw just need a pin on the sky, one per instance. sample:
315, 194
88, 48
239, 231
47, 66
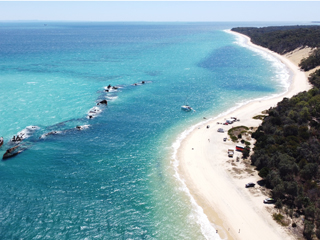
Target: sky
160, 11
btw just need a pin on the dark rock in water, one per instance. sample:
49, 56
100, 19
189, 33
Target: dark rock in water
11, 152
103, 102
143, 82
107, 90
49, 133
114, 87
17, 139
109, 86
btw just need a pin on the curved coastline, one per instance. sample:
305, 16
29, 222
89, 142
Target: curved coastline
204, 169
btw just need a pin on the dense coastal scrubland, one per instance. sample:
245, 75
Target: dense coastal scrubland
287, 149
283, 133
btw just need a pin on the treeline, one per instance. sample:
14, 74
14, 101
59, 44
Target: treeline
287, 155
285, 39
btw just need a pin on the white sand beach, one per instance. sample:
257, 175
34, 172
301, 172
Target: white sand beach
217, 182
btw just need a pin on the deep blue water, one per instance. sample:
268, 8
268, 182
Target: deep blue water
114, 179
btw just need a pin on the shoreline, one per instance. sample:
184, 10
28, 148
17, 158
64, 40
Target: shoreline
216, 182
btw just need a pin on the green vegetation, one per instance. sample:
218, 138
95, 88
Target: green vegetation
279, 218
235, 132
287, 154
259, 117
285, 39
315, 78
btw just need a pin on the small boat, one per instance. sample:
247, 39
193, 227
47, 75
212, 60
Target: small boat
1, 141
186, 108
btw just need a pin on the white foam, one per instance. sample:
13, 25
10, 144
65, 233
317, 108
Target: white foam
50, 133
207, 229
111, 89
26, 133
83, 127
111, 97
93, 112
32, 128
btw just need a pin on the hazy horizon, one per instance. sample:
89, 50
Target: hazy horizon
160, 11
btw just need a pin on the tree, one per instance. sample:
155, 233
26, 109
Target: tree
278, 191
308, 230
245, 152
309, 171
279, 204
291, 188
291, 130
264, 172
309, 212
304, 132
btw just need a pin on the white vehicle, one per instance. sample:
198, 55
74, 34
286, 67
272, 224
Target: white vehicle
230, 152
230, 121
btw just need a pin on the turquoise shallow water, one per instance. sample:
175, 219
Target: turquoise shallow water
114, 179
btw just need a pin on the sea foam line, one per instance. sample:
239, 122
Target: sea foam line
207, 228
282, 77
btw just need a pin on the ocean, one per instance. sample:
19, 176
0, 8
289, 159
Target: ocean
115, 177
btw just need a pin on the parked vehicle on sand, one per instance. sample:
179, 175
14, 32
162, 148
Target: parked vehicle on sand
230, 152
269, 200
220, 130
250, 184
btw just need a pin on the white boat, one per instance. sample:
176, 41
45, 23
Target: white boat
186, 108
